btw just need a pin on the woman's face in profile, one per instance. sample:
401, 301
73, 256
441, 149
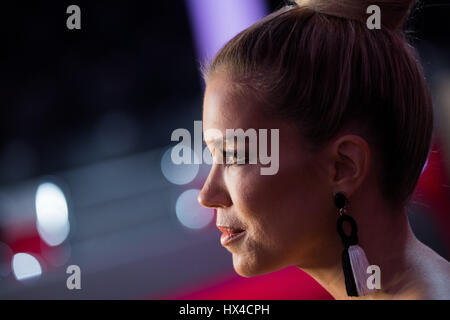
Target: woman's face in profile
276, 220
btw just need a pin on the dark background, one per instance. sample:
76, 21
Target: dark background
58, 85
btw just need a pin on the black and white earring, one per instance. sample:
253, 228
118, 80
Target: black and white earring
354, 260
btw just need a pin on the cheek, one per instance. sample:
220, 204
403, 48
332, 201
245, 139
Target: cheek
282, 210
266, 204
246, 189
254, 202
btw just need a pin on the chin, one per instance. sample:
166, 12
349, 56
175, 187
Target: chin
250, 268
247, 272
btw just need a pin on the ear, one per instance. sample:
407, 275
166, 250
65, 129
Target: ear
350, 160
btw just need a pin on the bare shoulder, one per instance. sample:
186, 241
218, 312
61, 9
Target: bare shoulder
435, 273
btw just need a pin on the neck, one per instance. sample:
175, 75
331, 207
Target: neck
387, 239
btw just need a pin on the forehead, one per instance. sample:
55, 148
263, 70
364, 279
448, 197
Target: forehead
226, 106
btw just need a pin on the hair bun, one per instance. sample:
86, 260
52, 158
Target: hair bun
393, 12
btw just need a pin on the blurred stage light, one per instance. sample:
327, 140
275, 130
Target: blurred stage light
52, 214
425, 166
216, 22
25, 266
178, 173
190, 213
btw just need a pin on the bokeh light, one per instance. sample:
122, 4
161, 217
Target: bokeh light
178, 173
25, 266
52, 214
190, 213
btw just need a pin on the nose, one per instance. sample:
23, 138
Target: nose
214, 193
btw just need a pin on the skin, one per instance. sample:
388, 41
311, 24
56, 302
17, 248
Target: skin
290, 219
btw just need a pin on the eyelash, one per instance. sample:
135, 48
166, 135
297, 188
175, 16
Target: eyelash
235, 162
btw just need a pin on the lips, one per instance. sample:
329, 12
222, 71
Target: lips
230, 234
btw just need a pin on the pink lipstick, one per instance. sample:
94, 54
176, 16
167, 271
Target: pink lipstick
230, 234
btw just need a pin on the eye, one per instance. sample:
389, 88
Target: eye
233, 159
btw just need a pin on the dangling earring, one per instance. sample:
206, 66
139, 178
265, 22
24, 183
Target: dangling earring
354, 260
